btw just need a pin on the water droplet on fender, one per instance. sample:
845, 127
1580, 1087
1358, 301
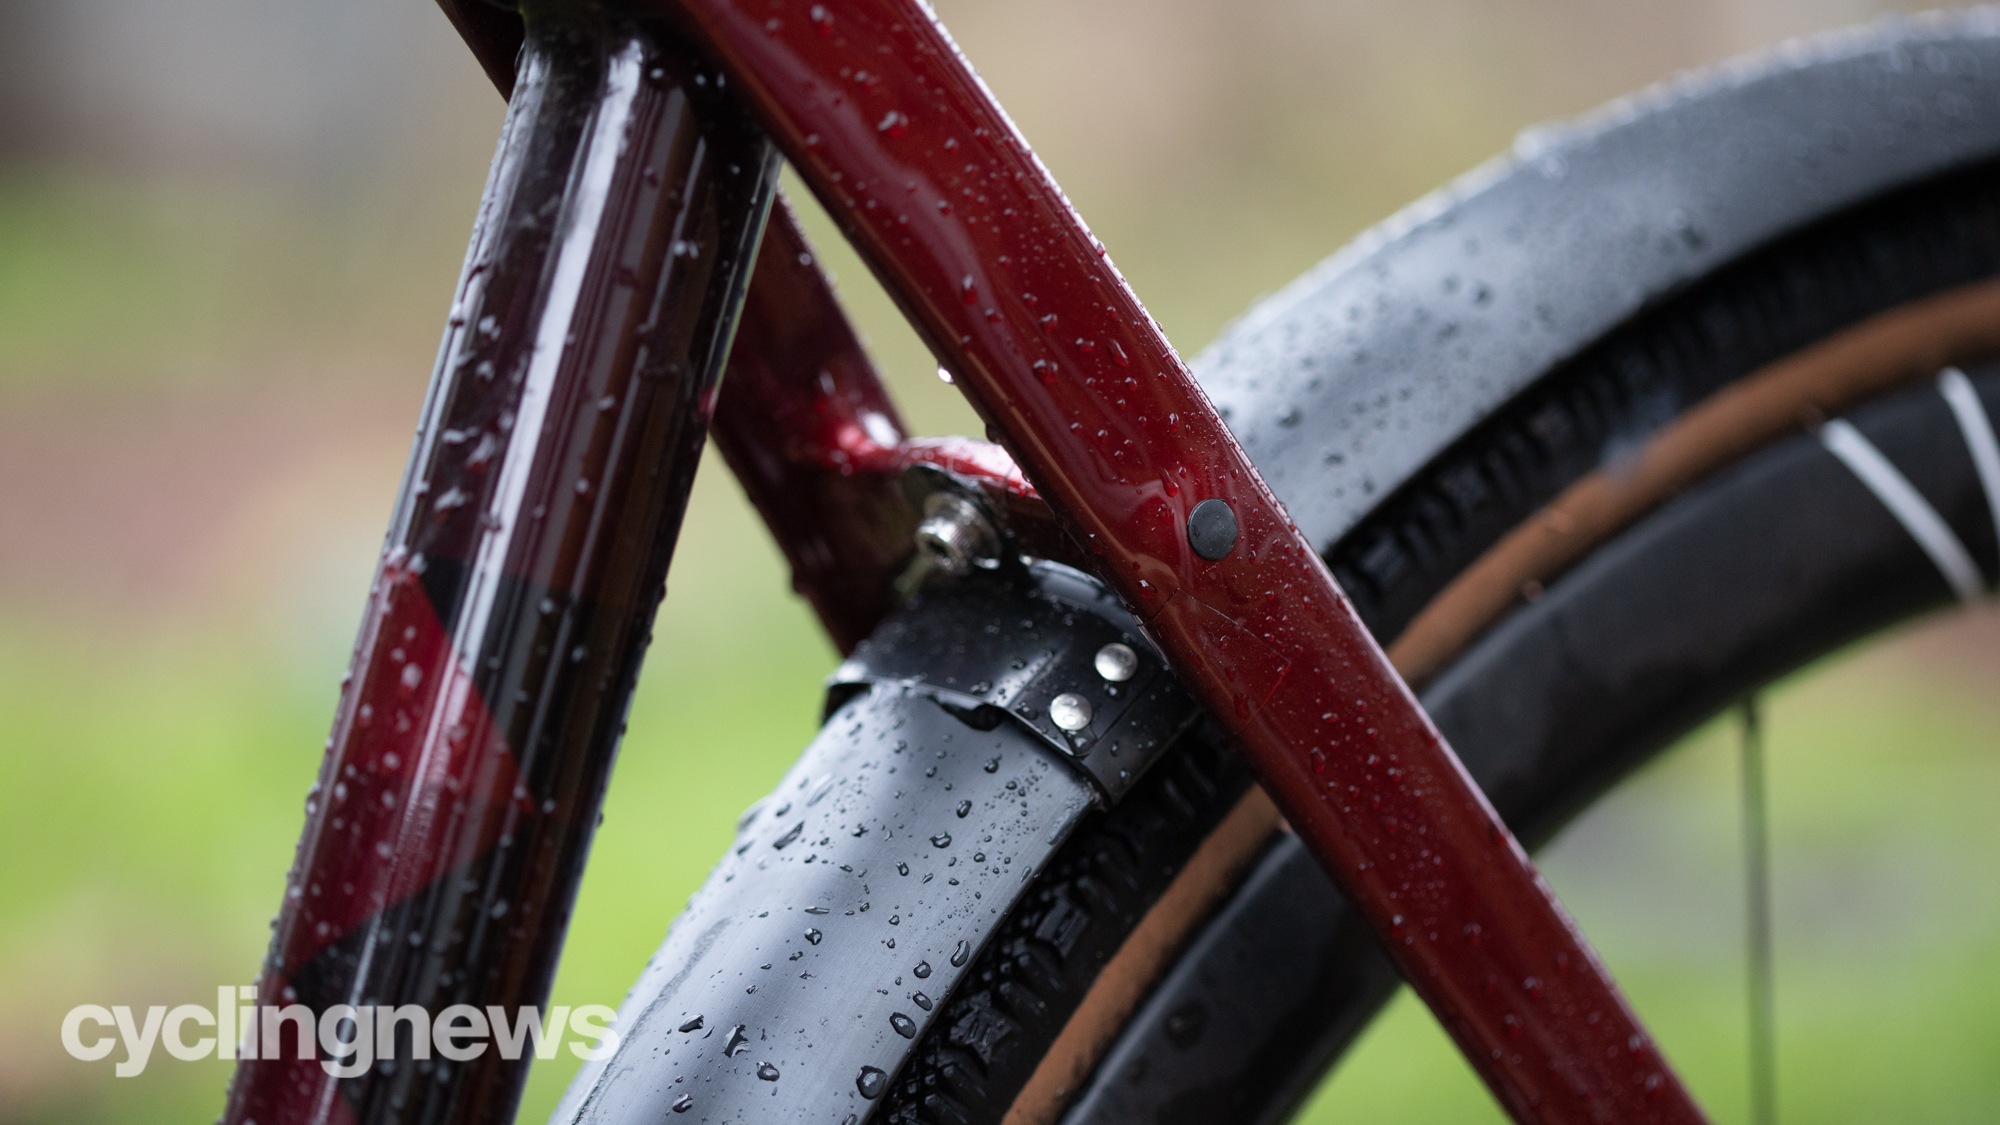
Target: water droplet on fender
904, 1025
871, 1082
961, 955
767, 1072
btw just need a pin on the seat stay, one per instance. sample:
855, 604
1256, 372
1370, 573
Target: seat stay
881, 115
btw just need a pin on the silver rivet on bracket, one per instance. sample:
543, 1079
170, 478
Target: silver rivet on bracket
1117, 662
1070, 711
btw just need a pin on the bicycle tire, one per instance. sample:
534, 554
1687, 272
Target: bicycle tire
1782, 297
1658, 630
1930, 203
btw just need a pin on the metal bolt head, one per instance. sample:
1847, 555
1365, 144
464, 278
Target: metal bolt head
1117, 662
956, 535
1212, 529
1070, 711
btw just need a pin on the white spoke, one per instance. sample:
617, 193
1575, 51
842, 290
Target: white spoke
1978, 431
1908, 506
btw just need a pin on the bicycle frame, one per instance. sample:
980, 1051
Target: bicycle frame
602, 286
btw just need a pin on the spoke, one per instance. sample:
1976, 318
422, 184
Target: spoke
1757, 879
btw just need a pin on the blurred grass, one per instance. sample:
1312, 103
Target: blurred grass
121, 281
164, 700
150, 799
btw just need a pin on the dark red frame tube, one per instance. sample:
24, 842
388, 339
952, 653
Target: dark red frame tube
875, 107
446, 835
807, 426
802, 419
805, 423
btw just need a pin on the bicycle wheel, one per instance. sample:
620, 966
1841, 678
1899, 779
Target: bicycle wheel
1659, 629
1584, 304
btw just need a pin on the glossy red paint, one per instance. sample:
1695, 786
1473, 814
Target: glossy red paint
874, 105
804, 421
802, 418
808, 428
446, 834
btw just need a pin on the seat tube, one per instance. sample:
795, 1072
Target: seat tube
526, 557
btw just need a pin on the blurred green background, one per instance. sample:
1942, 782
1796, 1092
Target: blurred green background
228, 235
